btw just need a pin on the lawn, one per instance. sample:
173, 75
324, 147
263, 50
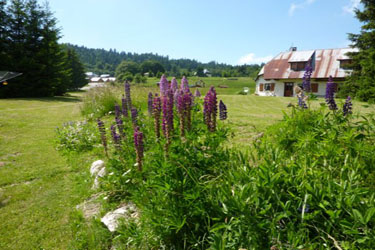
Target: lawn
40, 188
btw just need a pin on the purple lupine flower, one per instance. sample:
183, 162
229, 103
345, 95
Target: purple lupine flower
103, 135
213, 103
170, 110
222, 110
210, 109
174, 85
184, 84
165, 115
306, 85
124, 106
175, 97
115, 137
181, 112
128, 96
134, 113
138, 143
156, 112
188, 101
347, 108
207, 109
197, 93
149, 103
164, 85
120, 127
330, 91
117, 111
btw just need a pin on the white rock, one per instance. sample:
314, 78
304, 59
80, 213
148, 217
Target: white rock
96, 166
111, 219
102, 172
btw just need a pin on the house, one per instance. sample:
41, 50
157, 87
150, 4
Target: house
279, 76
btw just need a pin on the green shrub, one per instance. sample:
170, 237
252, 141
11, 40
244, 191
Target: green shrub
99, 101
77, 136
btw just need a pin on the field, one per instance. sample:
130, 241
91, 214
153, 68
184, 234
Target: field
39, 187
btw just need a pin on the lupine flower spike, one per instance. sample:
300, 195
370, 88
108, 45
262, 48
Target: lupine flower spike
347, 108
210, 109
156, 108
174, 85
306, 85
138, 142
164, 85
134, 114
149, 103
222, 110
116, 138
103, 135
181, 112
184, 85
117, 111
330, 91
124, 107
120, 127
128, 96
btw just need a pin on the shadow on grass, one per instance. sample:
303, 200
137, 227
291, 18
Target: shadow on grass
67, 98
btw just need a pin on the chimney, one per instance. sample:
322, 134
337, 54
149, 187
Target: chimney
293, 49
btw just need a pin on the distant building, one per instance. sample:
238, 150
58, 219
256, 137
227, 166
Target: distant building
90, 75
279, 76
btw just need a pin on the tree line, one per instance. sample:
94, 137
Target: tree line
101, 61
361, 84
29, 45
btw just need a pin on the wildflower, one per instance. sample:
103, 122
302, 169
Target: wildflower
330, 91
115, 137
128, 96
165, 115
197, 93
347, 108
210, 109
222, 110
124, 107
156, 108
134, 114
164, 85
103, 135
174, 85
117, 110
181, 112
170, 109
138, 142
120, 127
306, 85
188, 101
149, 103
184, 85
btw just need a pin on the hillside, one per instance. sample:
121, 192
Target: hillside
103, 61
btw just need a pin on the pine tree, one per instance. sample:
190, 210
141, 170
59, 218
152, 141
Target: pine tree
75, 70
362, 82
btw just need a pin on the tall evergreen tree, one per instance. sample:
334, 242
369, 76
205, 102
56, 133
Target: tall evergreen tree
362, 82
75, 70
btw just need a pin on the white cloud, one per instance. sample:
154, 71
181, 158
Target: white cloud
293, 7
351, 6
251, 58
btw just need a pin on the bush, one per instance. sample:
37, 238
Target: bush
77, 136
99, 101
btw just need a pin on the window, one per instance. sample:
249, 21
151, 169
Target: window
298, 66
269, 87
345, 64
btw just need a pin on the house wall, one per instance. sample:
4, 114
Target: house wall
279, 86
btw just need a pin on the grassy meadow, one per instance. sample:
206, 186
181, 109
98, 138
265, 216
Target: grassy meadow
40, 187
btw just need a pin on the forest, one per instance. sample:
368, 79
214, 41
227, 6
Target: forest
101, 61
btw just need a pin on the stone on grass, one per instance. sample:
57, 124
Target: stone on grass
111, 219
91, 207
96, 166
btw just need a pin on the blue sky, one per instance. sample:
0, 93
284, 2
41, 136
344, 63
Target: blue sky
234, 32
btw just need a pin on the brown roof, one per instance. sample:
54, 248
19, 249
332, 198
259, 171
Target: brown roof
327, 63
